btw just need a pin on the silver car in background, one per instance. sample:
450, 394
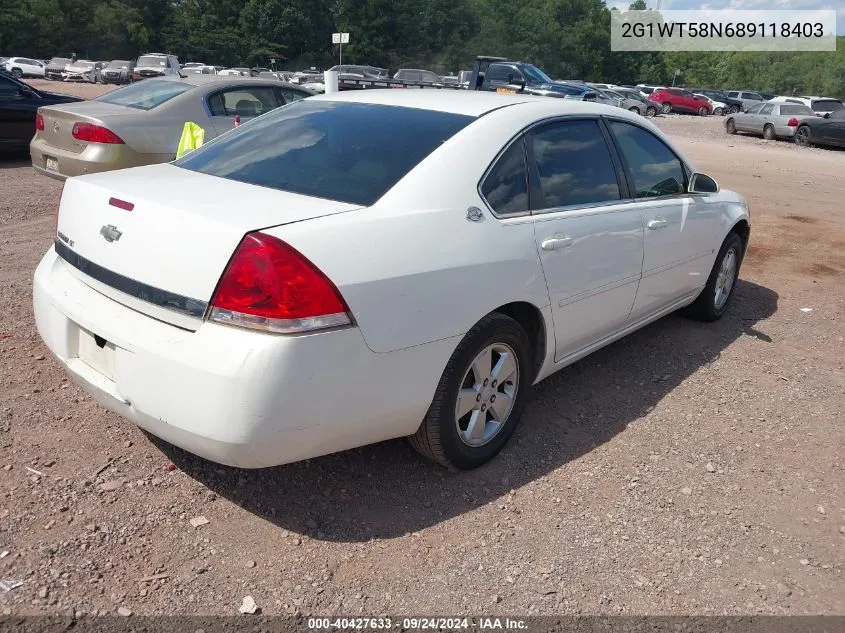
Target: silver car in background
770, 120
141, 124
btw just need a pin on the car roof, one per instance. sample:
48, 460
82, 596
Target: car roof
465, 102
226, 81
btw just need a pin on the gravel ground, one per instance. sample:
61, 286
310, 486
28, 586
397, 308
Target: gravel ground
688, 469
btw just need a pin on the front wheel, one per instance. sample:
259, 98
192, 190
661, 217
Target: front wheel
651, 111
480, 397
702, 111
733, 110
17, 73
634, 109
713, 301
666, 108
802, 136
730, 126
718, 111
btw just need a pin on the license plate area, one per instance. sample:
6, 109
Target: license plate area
51, 164
97, 353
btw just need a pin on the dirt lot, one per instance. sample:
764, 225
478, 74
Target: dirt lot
687, 469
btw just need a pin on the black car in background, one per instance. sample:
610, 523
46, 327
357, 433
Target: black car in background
827, 130
732, 106
19, 103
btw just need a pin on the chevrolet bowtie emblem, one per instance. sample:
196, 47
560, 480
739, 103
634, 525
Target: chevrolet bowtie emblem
110, 233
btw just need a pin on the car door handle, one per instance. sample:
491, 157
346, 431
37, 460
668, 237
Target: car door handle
657, 224
556, 242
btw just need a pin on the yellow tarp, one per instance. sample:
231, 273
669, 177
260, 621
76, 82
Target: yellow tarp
192, 137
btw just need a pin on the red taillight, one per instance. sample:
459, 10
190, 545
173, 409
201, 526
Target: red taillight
39, 122
793, 122
268, 285
121, 204
95, 133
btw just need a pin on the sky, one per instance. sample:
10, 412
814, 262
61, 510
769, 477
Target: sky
839, 5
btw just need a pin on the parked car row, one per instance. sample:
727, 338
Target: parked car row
786, 119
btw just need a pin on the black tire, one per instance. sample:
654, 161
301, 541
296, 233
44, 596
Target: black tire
438, 436
730, 126
666, 108
802, 136
769, 132
702, 111
733, 109
651, 111
17, 73
718, 111
704, 308
634, 109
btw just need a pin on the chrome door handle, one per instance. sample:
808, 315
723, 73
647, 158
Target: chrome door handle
656, 224
556, 242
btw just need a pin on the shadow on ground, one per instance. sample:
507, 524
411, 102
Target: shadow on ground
387, 490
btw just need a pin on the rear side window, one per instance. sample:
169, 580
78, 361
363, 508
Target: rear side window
351, 152
733, 95
767, 109
574, 164
147, 94
655, 169
506, 186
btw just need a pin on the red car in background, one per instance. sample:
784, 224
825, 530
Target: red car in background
680, 100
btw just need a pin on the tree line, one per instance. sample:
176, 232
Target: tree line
569, 39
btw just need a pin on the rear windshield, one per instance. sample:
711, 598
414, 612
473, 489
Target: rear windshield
147, 94
796, 110
828, 105
150, 60
351, 152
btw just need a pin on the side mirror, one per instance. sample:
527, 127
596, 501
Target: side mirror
516, 81
702, 183
827, 115
26, 93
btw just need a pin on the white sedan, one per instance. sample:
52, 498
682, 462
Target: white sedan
375, 264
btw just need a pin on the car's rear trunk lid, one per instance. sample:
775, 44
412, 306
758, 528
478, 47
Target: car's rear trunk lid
60, 119
165, 256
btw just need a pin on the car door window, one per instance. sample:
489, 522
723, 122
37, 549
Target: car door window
755, 109
574, 164
654, 168
245, 102
752, 95
8, 89
767, 109
290, 96
498, 74
733, 95
505, 188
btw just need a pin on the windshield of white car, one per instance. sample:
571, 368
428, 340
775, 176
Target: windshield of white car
350, 152
59, 62
118, 63
147, 94
83, 65
151, 61
535, 74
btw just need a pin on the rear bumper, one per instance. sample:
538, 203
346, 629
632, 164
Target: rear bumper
95, 158
234, 396
785, 131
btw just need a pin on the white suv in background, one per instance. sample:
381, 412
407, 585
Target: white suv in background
24, 67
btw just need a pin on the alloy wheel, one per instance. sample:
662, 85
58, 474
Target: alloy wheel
725, 279
487, 394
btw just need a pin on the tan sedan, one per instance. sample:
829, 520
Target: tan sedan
141, 124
